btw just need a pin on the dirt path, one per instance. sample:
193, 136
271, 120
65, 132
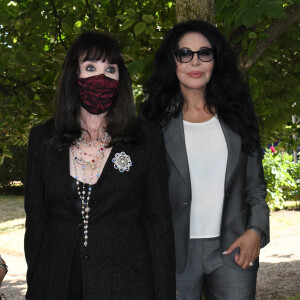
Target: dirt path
278, 276
11, 248
279, 272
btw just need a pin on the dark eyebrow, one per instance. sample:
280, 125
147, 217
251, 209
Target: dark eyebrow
89, 60
187, 48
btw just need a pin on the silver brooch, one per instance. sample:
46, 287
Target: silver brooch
122, 161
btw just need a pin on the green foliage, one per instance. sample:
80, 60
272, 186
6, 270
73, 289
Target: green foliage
13, 170
35, 36
249, 12
274, 78
283, 178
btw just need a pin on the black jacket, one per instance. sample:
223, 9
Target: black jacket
130, 252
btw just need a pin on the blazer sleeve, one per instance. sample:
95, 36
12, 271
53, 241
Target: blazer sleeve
36, 215
255, 195
158, 219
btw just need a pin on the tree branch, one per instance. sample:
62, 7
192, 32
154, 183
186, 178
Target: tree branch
57, 17
6, 89
277, 27
89, 13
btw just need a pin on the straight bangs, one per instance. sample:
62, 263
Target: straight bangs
99, 47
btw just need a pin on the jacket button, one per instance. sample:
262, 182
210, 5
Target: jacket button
80, 225
86, 257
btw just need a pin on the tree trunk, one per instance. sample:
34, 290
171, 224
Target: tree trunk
195, 9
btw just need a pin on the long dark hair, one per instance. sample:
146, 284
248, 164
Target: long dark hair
226, 93
64, 127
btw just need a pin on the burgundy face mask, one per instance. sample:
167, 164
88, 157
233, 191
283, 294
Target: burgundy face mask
97, 93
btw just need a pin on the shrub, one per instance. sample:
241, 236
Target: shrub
13, 169
282, 176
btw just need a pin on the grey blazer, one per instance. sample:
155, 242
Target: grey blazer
244, 197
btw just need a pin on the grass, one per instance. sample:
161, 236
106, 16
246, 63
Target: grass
11, 207
12, 213
291, 205
294, 298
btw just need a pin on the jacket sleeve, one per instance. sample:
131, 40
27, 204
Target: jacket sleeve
255, 195
158, 219
36, 215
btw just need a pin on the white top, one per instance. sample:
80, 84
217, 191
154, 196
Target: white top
207, 157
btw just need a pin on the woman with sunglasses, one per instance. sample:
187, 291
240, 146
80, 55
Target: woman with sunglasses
216, 182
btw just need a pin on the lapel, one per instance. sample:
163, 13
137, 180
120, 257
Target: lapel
234, 144
175, 145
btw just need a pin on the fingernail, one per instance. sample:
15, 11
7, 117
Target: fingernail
224, 252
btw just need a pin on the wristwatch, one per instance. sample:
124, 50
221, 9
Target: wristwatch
255, 229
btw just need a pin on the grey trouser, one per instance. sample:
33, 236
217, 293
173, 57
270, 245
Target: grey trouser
206, 268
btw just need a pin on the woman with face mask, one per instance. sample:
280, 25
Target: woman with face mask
98, 220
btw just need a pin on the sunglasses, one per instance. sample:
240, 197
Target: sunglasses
186, 55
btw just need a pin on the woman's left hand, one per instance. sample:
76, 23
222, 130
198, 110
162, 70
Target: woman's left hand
2, 270
249, 243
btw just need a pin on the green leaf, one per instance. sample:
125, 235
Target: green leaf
78, 24
228, 13
272, 8
139, 28
238, 17
251, 47
147, 18
20, 57
36, 19
158, 35
122, 17
244, 44
67, 28
3, 18
140, 66
250, 16
7, 153
127, 24
126, 49
252, 35
130, 12
68, 23
150, 29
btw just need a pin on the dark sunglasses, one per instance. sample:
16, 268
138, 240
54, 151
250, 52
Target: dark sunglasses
186, 55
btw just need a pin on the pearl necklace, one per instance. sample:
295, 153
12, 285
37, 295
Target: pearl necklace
87, 144
83, 195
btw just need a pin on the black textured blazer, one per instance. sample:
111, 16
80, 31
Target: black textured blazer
130, 252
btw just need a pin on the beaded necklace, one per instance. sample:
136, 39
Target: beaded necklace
83, 194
